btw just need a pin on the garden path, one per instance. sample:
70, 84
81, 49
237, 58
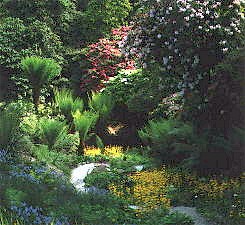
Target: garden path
192, 212
79, 174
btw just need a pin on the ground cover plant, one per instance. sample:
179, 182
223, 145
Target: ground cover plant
122, 112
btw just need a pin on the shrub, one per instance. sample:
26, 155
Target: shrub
137, 89
40, 10
104, 59
52, 131
9, 124
57, 14
16, 43
103, 180
225, 101
169, 108
59, 159
101, 16
39, 71
171, 141
187, 38
220, 154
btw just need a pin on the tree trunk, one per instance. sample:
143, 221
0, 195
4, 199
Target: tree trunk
36, 97
81, 147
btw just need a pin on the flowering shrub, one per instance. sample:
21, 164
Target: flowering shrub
105, 59
186, 37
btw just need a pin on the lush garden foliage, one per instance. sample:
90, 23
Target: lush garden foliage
153, 89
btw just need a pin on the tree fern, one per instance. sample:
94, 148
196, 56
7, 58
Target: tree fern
84, 122
101, 104
67, 104
52, 130
39, 71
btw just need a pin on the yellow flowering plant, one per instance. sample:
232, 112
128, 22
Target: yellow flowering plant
110, 151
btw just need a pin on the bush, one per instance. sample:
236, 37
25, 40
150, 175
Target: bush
169, 108
104, 179
170, 141
220, 154
225, 98
57, 14
100, 17
60, 159
9, 127
187, 38
102, 104
103, 60
84, 123
40, 10
137, 89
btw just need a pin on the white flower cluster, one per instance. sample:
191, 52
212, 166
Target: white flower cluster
182, 34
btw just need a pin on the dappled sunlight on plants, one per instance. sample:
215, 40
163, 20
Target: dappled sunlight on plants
111, 151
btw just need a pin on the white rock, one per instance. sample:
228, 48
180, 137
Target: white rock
139, 167
79, 174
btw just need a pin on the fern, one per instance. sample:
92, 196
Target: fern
39, 71
52, 131
84, 122
101, 104
67, 104
169, 140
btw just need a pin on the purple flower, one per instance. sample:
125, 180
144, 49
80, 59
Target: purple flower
34, 215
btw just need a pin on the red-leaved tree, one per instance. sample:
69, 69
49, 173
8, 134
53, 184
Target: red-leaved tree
104, 60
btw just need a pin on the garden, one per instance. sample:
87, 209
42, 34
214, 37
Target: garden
122, 112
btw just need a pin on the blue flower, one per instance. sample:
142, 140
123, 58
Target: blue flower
34, 215
4, 156
26, 176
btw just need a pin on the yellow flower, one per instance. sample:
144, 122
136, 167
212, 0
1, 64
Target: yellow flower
111, 151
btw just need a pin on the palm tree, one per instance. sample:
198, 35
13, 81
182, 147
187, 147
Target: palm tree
39, 71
